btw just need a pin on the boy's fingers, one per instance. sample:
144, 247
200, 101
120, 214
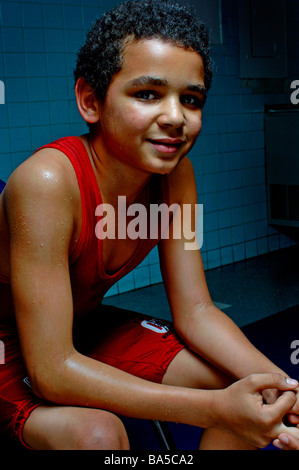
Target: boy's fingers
283, 404
293, 419
287, 442
295, 410
263, 381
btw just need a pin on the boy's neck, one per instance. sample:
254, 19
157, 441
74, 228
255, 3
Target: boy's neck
114, 178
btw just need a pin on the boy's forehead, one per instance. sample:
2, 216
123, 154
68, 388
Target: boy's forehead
157, 56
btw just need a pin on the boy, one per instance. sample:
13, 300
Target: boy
141, 83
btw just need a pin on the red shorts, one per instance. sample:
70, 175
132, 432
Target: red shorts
140, 345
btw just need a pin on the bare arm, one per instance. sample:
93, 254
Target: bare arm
206, 330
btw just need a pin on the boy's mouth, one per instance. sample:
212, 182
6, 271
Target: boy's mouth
166, 145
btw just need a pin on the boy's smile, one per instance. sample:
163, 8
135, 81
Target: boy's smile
153, 110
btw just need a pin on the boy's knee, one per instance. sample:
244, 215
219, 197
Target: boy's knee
115, 435
104, 431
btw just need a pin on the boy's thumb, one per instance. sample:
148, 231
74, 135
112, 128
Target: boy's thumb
278, 381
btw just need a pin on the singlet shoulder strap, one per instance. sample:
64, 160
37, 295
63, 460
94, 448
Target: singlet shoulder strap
91, 197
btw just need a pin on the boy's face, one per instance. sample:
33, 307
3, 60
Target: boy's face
152, 114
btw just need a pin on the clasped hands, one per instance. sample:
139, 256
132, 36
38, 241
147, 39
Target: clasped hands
262, 408
288, 439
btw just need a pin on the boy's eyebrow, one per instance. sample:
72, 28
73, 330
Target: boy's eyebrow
147, 80
197, 89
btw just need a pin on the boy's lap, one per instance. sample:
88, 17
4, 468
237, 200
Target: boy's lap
141, 345
138, 344
109, 335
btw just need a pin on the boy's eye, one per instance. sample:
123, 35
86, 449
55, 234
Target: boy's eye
193, 101
146, 95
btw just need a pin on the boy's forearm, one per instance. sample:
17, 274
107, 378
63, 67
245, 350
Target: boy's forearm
213, 335
83, 381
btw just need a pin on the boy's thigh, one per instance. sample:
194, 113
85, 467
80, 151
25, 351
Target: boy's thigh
147, 347
190, 370
141, 345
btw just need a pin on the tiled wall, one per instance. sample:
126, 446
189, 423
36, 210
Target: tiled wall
38, 42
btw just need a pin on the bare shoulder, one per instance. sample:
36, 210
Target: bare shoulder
46, 177
181, 183
43, 195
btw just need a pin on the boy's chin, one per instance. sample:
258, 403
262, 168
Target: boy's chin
167, 167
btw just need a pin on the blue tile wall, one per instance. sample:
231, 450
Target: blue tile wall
38, 44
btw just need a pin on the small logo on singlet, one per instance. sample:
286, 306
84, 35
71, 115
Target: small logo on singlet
155, 325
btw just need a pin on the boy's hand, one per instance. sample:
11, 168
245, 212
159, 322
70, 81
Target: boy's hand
293, 416
288, 440
271, 396
242, 409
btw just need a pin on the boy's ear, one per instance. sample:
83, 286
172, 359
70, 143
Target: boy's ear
88, 104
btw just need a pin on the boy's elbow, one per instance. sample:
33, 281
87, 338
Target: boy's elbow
48, 386
188, 324
45, 389
181, 329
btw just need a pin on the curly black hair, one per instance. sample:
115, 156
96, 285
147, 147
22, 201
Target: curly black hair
100, 58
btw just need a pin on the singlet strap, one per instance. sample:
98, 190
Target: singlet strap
76, 152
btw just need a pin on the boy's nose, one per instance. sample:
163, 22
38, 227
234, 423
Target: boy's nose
172, 114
